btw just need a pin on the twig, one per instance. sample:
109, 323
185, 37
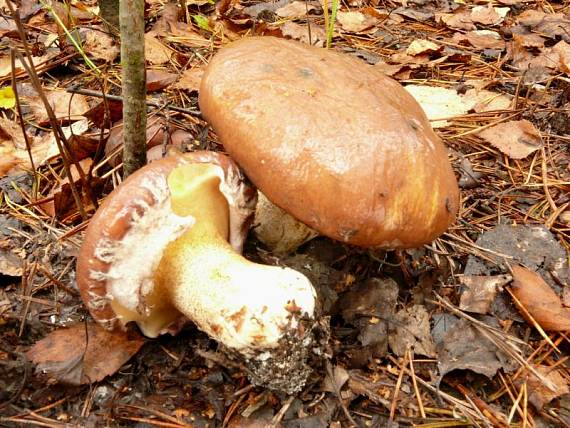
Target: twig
97, 94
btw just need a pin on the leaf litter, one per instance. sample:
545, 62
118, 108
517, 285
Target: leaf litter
493, 79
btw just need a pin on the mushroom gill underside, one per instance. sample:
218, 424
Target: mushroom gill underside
259, 312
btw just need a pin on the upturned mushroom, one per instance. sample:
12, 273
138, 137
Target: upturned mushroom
332, 141
166, 245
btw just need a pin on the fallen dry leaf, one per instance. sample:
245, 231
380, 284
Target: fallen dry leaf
190, 79
517, 139
548, 24
66, 106
110, 111
99, 45
538, 393
463, 347
481, 100
154, 51
6, 64
540, 300
418, 47
460, 20
481, 291
532, 246
355, 22
369, 306
54, 207
529, 40
438, 103
13, 154
71, 356
10, 264
301, 33
481, 39
563, 50
389, 69
411, 328
335, 380
155, 135
489, 15
295, 9
159, 79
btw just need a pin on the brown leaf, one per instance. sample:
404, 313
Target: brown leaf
462, 347
389, 69
10, 264
60, 205
63, 354
301, 33
482, 39
460, 20
517, 139
97, 113
335, 380
295, 9
155, 135
99, 45
538, 393
66, 106
529, 40
563, 50
84, 146
6, 63
418, 47
159, 79
154, 51
355, 22
548, 24
13, 153
411, 327
488, 15
480, 292
190, 79
541, 302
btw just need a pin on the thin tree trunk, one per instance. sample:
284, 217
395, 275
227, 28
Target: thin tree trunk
134, 84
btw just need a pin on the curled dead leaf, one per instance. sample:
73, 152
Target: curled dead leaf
539, 300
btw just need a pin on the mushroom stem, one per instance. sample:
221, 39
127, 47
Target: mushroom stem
246, 306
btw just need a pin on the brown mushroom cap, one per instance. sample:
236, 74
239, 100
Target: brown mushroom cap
331, 140
137, 202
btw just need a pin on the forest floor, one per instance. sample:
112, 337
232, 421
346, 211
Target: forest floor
470, 330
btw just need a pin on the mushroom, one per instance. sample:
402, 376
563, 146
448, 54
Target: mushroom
165, 245
332, 141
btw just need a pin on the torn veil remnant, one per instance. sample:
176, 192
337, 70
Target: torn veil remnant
166, 244
332, 141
